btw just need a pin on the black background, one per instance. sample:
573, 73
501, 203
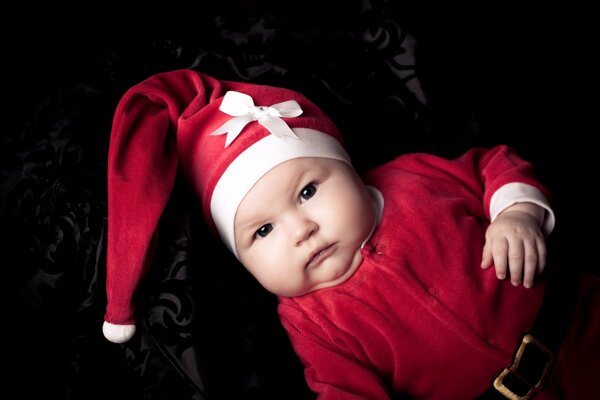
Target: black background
501, 74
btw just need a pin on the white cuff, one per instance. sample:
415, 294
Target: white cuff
515, 192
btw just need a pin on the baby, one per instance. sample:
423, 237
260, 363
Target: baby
385, 280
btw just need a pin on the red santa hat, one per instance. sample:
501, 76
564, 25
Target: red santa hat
222, 135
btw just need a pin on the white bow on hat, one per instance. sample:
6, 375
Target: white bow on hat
242, 108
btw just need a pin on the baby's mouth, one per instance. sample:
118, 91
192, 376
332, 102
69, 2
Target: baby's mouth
318, 256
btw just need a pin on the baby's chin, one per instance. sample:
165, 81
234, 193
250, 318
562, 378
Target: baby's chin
291, 292
335, 279
339, 275
328, 275
297, 292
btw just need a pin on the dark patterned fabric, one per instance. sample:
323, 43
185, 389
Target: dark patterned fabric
394, 78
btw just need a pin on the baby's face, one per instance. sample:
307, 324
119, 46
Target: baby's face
301, 226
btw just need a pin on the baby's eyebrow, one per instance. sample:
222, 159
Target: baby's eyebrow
252, 223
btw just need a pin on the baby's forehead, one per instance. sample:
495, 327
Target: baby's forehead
286, 178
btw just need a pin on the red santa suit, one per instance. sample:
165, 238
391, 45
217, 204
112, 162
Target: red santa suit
420, 318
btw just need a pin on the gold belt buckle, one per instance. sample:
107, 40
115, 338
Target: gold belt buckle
521, 387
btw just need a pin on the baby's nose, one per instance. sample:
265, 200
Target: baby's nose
303, 229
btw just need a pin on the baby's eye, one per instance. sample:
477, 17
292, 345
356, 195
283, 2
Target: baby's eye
308, 191
264, 230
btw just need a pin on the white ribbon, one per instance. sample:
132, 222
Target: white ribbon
242, 108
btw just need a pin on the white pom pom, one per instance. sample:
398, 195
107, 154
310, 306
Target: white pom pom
118, 333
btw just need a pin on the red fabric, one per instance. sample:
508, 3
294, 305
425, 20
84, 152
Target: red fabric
162, 125
142, 165
419, 317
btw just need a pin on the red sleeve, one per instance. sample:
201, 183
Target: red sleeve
497, 167
479, 171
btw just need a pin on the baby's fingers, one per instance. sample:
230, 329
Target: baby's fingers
486, 258
516, 260
531, 262
535, 261
499, 252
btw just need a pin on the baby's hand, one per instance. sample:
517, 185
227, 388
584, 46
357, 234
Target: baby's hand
514, 243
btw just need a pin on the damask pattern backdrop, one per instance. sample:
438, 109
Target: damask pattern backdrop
394, 77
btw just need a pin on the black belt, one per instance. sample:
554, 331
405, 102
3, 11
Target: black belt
535, 357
